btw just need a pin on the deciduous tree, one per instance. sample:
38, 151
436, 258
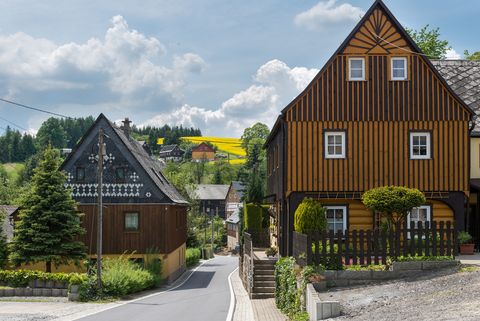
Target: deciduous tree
428, 39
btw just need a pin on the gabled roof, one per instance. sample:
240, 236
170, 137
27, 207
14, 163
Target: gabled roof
203, 145
463, 76
410, 46
168, 148
152, 167
210, 192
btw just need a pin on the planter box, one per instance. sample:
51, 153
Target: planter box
432, 265
383, 275
354, 275
49, 284
467, 249
60, 285
31, 283
56, 292
2, 292
36, 292
46, 292
320, 286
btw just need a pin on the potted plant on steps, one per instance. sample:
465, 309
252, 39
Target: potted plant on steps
466, 245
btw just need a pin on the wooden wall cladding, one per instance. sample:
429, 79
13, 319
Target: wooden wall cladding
332, 97
160, 226
377, 154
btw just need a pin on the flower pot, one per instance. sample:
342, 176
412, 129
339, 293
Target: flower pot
467, 249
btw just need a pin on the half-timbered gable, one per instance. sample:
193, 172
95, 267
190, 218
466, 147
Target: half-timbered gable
378, 113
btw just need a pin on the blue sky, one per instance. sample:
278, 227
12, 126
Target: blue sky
215, 64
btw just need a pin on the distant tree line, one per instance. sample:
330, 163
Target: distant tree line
170, 135
65, 133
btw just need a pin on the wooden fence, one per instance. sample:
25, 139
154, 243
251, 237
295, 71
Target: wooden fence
366, 247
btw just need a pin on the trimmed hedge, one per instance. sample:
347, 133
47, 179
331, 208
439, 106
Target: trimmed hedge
256, 216
20, 278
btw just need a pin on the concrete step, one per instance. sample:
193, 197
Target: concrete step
265, 262
263, 272
264, 284
263, 289
258, 277
263, 295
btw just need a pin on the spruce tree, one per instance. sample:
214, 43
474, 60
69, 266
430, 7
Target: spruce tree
49, 220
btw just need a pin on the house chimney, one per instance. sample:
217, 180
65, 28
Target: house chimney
126, 126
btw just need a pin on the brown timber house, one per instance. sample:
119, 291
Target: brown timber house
142, 212
378, 113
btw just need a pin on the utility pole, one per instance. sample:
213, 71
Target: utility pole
101, 153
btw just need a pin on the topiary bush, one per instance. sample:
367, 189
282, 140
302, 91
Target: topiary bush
310, 217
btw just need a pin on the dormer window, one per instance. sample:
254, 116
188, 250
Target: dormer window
399, 68
356, 69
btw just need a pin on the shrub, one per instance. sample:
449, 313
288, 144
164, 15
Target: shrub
423, 258
310, 217
390, 200
371, 267
121, 277
256, 217
464, 237
153, 264
193, 256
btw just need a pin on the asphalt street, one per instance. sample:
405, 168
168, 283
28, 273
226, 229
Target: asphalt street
204, 297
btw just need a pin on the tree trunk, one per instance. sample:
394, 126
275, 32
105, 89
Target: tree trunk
48, 267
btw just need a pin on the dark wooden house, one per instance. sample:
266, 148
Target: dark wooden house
171, 153
378, 113
142, 211
212, 198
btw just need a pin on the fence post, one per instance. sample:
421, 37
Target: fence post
316, 241
376, 247
354, 247
449, 239
362, 247
384, 246
331, 242
347, 248
398, 234
419, 239
369, 247
428, 233
405, 237
434, 239
442, 238
339, 245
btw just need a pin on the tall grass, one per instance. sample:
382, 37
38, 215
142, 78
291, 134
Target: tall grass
122, 276
192, 256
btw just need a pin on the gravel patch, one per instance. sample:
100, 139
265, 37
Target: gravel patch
436, 296
46, 308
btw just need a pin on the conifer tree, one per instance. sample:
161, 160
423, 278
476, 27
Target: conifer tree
49, 220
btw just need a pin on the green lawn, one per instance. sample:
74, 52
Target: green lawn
13, 169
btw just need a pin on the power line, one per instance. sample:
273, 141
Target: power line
34, 108
12, 123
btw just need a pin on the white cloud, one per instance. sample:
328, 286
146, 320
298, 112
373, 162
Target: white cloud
452, 55
122, 65
275, 85
325, 14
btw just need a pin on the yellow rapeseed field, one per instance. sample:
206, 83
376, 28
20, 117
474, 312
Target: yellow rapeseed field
231, 146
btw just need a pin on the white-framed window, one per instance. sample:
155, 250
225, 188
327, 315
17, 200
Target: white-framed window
336, 218
335, 144
356, 68
399, 68
131, 221
420, 145
418, 214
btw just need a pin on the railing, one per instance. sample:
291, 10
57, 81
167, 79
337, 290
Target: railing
365, 247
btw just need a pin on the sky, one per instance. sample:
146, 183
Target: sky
219, 65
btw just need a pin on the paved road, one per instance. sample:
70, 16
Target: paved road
204, 297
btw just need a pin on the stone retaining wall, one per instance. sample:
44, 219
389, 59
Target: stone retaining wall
36, 288
398, 270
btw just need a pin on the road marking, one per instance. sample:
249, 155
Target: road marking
119, 304
232, 297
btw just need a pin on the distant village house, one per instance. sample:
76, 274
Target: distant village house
203, 152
